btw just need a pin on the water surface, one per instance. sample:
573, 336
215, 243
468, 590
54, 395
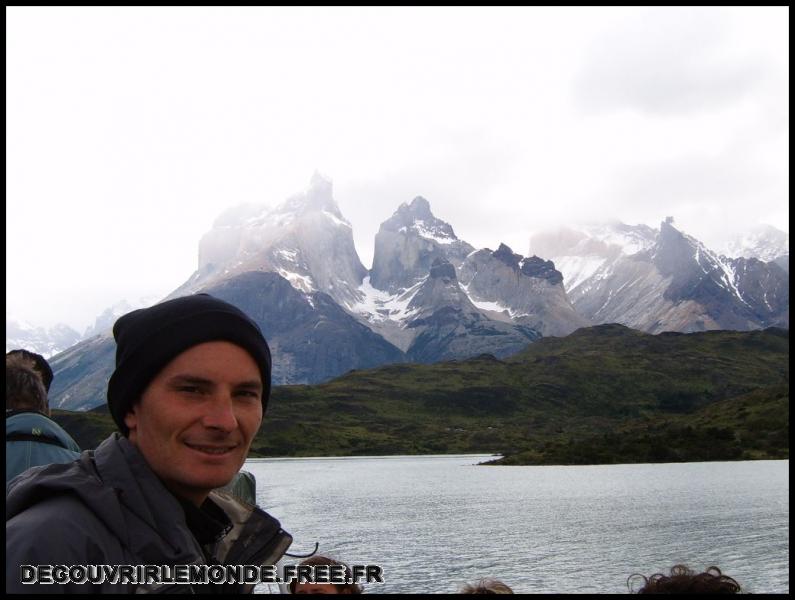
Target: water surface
436, 522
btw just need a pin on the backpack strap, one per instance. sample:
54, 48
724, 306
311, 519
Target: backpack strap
29, 437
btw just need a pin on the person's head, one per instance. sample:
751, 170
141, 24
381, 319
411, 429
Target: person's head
683, 580
191, 385
486, 586
24, 387
36, 362
325, 588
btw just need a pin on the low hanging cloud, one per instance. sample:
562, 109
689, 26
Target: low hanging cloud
708, 196
665, 62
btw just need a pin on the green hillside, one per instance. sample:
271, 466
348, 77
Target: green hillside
604, 394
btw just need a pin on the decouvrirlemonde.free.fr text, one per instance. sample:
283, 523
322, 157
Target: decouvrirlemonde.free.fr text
197, 574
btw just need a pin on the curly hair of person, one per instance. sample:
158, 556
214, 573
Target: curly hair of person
486, 586
683, 580
342, 588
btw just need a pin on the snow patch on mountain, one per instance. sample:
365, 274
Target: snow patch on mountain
302, 283
762, 242
336, 220
491, 306
41, 340
710, 261
378, 305
431, 232
629, 240
577, 269
288, 255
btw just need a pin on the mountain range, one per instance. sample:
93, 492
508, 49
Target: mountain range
662, 279
431, 296
604, 394
51, 341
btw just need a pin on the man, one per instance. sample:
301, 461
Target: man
32, 438
191, 384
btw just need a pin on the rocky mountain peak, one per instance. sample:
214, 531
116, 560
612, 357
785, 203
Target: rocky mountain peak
673, 249
668, 231
305, 239
416, 218
443, 269
542, 269
506, 255
419, 208
318, 197
407, 244
320, 182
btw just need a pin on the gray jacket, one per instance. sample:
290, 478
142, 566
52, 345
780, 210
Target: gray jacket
109, 508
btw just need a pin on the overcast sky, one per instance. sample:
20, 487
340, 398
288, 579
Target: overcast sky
129, 130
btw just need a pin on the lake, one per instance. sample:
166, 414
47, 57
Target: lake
434, 523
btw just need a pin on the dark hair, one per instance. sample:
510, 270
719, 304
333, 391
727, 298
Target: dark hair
24, 388
684, 580
37, 362
342, 588
486, 586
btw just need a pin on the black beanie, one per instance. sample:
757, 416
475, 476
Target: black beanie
149, 338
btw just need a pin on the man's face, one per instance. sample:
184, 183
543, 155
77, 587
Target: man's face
195, 420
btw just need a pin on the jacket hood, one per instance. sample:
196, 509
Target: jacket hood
36, 423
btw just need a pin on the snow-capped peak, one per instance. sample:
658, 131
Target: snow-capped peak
431, 231
763, 242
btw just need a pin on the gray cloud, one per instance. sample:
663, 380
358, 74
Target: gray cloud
455, 184
710, 197
666, 61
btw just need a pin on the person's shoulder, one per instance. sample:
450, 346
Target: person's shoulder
23, 420
58, 530
62, 512
40, 425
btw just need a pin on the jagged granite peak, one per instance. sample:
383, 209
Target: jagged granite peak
535, 266
509, 287
506, 255
446, 324
673, 249
675, 283
419, 208
695, 272
305, 239
317, 197
440, 289
435, 319
417, 219
531, 267
407, 244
